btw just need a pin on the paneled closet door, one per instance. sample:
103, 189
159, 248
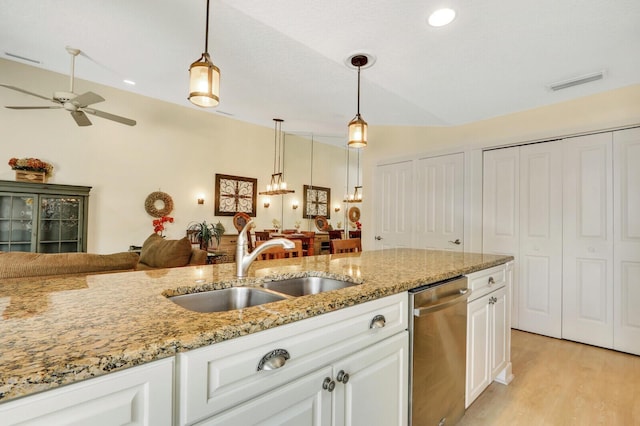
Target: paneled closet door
500, 211
626, 270
588, 240
540, 280
440, 203
394, 206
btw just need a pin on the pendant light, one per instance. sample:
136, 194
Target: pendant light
356, 197
277, 185
204, 77
357, 126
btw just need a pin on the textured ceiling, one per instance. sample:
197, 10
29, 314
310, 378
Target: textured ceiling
286, 58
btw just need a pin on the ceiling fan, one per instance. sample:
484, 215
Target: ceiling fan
77, 105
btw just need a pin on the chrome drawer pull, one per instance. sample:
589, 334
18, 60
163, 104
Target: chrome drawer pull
273, 360
491, 281
379, 321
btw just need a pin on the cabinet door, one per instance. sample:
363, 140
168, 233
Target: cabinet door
60, 224
500, 210
626, 270
17, 232
587, 285
440, 202
376, 390
500, 340
478, 348
540, 239
303, 402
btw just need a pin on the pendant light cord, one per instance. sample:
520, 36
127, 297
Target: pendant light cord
358, 90
206, 36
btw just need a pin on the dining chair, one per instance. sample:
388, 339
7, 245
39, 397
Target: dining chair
270, 253
346, 246
335, 234
261, 236
289, 231
308, 248
296, 251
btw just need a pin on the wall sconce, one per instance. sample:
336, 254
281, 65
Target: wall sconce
267, 202
336, 208
294, 205
201, 199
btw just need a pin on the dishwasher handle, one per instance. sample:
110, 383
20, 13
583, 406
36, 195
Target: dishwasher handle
463, 294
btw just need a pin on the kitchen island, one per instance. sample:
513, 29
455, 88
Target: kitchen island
60, 330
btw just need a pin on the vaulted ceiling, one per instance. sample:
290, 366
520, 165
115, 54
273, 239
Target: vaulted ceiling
287, 58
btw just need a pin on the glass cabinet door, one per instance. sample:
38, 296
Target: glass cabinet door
60, 221
16, 222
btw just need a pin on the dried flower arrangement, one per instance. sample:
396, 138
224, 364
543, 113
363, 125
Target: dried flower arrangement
31, 165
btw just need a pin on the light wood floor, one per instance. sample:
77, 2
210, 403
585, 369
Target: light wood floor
558, 382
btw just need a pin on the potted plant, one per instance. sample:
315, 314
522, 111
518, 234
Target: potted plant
206, 231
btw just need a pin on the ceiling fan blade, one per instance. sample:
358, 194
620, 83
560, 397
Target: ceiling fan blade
33, 107
81, 118
85, 99
17, 89
113, 117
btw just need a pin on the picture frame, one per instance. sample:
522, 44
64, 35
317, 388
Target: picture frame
317, 202
235, 194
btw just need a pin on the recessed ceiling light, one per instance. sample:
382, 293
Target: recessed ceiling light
129, 82
442, 17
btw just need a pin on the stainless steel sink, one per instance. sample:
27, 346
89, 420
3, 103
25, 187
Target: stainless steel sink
226, 299
306, 285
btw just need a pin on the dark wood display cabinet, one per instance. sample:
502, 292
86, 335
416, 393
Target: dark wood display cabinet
43, 218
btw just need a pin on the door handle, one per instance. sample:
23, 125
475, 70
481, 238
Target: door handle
456, 242
378, 237
458, 297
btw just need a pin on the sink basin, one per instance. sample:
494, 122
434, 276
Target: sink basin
226, 299
306, 285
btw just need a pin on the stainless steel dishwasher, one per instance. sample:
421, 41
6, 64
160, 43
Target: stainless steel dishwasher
438, 346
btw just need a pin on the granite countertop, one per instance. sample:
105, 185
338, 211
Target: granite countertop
57, 330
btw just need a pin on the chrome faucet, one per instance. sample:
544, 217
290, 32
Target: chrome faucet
244, 258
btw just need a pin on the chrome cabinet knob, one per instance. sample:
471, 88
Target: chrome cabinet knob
328, 384
342, 377
379, 321
491, 281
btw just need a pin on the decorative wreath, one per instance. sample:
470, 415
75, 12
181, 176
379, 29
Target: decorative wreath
354, 214
150, 204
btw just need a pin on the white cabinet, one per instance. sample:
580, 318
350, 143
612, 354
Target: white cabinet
225, 381
363, 389
488, 330
138, 396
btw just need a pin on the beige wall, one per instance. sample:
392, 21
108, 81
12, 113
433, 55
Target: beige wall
613, 109
175, 149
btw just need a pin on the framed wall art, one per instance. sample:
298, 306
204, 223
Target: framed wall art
316, 202
235, 194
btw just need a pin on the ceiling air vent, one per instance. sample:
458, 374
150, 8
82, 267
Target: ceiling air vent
576, 81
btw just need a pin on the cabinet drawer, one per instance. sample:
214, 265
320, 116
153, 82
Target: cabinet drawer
140, 395
486, 281
217, 377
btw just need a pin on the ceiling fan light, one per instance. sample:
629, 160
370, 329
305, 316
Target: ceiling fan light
204, 83
357, 133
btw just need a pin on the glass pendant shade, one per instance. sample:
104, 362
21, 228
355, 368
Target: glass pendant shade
204, 83
357, 132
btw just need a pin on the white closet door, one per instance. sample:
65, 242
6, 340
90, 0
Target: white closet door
440, 202
500, 211
394, 206
626, 271
540, 279
588, 240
